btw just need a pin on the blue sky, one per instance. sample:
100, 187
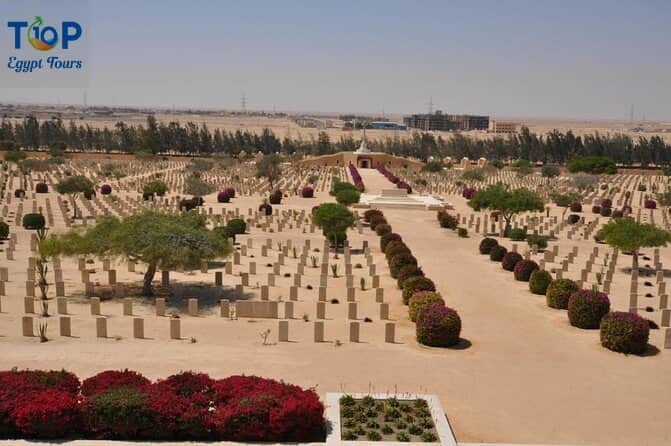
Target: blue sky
582, 59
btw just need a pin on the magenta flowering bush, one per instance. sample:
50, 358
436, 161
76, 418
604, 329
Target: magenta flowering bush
223, 197
356, 177
105, 189
523, 270
596, 209
468, 193
586, 308
390, 176
438, 326
307, 192
606, 203
404, 185
510, 259
230, 192
624, 332
650, 204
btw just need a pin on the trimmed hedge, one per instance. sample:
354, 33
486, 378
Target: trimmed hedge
558, 293
624, 332
184, 407
421, 299
33, 221
586, 308
407, 272
487, 244
539, 281
368, 214
105, 189
223, 197
415, 284
275, 197
377, 220
395, 248
382, 229
523, 270
399, 261
510, 259
573, 219
576, 207
438, 326
307, 192
497, 253
41, 188
387, 238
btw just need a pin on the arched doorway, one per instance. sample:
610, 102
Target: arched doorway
364, 162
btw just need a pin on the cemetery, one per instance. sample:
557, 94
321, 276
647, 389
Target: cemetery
381, 303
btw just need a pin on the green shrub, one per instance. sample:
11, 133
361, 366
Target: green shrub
592, 164
377, 220
420, 300
462, 232
236, 226
497, 253
518, 234
624, 332
121, 413
382, 229
523, 270
33, 221
558, 293
406, 272
539, 281
388, 238
155, 187
538, 240
4, 230
394, 248
487, 244
348, 196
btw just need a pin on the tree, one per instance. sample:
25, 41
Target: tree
348, 196
507, 202
592, 164
156, 187
334, 219
629, 235
269, 168
550, 171
73, 186
14, 156
160, 240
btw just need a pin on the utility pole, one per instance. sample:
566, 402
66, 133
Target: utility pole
243, 103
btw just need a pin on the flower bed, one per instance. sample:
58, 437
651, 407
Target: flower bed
187, 406
389, 418
394, 179
356, 177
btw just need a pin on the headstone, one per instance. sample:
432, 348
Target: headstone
193, 307
283, 331
65, 326
384, 311
318, 333
62, 305
138, 328
354, 332
390, 332
160, 306
128, 306
95, 306
29, 305
321, 310
175, 329
352, 310
379, 295
27, 326
101, 327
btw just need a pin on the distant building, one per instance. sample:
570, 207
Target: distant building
502, 126
446, 122
387, 125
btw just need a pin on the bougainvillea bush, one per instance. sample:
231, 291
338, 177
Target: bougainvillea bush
438, 326
420, 300
487, 244
391, 237
558, 293
307, 192
510, 259
187, 406
586, 308
497, 253
523, 270
624, 332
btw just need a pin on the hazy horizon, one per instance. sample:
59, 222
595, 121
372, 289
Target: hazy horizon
528, 59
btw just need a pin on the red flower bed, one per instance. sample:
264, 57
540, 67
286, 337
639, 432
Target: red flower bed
186, 406
356, 177
113, 378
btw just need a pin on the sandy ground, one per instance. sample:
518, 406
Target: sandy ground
522, 375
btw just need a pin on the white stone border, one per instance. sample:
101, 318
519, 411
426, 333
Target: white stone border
333, 436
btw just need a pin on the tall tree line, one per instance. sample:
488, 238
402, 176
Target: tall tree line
158, 137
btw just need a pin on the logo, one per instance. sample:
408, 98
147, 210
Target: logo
45, 38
